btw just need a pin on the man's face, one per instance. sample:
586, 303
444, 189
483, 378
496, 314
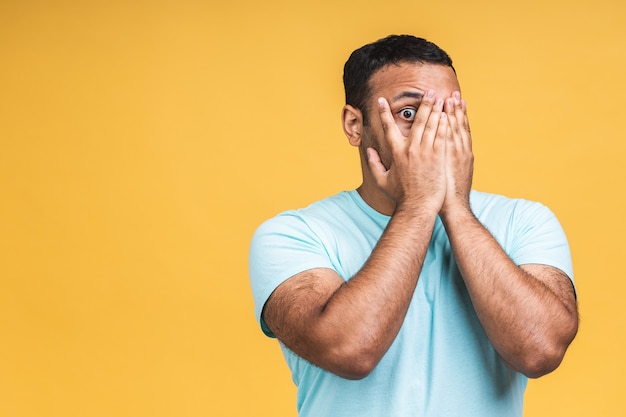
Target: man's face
403, 86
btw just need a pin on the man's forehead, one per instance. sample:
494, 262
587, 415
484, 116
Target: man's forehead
413, 79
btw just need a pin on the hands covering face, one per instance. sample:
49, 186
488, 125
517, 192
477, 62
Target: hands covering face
432, 167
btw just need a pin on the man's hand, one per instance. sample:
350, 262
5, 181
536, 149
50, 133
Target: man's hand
416, 177
459, 158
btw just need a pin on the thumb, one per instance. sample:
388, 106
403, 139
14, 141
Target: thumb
376, 166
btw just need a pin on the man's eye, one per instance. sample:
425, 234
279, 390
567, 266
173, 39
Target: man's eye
408, 114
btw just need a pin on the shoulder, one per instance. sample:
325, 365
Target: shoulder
528, 231
302, 232
488, 202
514, 220
319, 217
496, 209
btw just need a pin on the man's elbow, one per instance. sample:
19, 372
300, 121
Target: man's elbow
353, 364
540, 364
546, 357
357, 370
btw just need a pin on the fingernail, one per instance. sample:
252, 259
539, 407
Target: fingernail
457, 97
381, 102
430, 93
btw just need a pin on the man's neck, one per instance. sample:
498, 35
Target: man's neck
375, 198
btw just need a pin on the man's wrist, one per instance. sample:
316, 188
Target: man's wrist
460, 212
417, 209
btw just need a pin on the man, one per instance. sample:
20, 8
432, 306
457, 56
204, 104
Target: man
412, 295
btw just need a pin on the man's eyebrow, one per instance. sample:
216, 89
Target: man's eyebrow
409, 94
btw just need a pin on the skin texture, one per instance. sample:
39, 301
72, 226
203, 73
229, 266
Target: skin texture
417, 164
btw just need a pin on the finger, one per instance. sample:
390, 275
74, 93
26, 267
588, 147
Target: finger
443, 134
421, 117
464, 128
430, 130
390, 129
452, 107
376, 166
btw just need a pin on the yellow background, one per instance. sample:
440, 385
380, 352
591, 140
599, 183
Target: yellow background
141, 143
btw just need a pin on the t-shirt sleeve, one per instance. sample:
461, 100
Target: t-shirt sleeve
539, 238
281, 248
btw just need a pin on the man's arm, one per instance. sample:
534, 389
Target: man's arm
529, 312
346, 327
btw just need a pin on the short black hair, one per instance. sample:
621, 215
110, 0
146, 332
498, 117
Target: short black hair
394, 49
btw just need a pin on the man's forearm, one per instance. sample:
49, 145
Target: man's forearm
368, 310
529, 322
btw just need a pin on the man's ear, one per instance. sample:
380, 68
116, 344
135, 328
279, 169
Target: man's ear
352, 121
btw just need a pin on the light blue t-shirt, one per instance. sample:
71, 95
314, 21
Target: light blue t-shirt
441, 363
